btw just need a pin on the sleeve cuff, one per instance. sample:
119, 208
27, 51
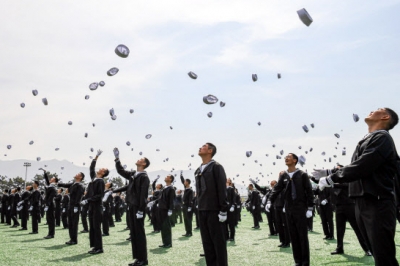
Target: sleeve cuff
310, 208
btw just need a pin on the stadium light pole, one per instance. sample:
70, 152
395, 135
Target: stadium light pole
26, 165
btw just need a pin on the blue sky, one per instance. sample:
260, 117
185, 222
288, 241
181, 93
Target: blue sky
346, 62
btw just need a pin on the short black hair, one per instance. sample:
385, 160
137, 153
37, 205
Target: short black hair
188, 180
172, 177
62, 190
111, 185
18, 188
147, 162
295, 157
251, 184
56, 178
36, 182
394, 118
6, 190
42, 192
106, 172
29, 189
212, 146
83, 176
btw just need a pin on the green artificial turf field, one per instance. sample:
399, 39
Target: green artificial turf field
252, 247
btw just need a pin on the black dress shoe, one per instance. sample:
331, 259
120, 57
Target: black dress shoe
84, 231
286, 246
330, 238
141, 262
202, 255
23, 228
32, 233
337, 251
96, 251
112, 225
187, 235
71, 242
126, 228
128, 239
165, 246
48, 237
231, 239
105, 234
14, 226
256, 227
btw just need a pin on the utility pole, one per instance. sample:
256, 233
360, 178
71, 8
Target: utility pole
26, 172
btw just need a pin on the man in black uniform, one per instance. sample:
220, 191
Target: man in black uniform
178, 206
255, 206
64, 209
165, 208
51, 192
298, 195
94, 196
213, 206
371, 177
187, 206
24, 207
136, 196
155, 219
196, 210
107, 201
345, 211
4, 206
118, 203
326, 212
35, 207
57, 210
231, 220
84, 214
238, 207
15, 197
76, 191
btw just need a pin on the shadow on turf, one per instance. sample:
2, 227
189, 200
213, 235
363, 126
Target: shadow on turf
122, 243
201, 262
78, 257
353, 259
159, 250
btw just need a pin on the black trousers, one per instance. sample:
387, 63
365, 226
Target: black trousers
58, 214
178, 213
271, 221
3, 213
35, 219
377, 222
117, 214
281, 226
128, 217
187, 219
256, 216
95, 220
73, 222
326, 214
24, 216
51, 222
8, 215
166, 233
297, 223
111, 219
238, 213
106, 220
230, 225
212, 236
155, 219
14, 217
138, 239
84, 214
197, 219
347, 213
64, 217
310, 221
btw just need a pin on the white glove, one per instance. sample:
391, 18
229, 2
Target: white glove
46, 208
99, 152
318, 173
63, 210
169, 212
268, 206
283, 210
222, 216
324, 202
19, 208
325, 182
9, 207
139, 215
238, 207
232, 209
19, 203
30, 208
189, 209
104, 209
116, 153
262, 206
197, 206
84, 202
309, 214
75, 209
254, 207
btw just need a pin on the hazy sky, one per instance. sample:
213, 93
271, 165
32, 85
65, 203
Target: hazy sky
346, 62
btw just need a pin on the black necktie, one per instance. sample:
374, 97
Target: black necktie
294, 195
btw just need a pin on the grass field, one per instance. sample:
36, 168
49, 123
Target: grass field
252, 247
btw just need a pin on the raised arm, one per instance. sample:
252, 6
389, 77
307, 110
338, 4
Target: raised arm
65, 185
